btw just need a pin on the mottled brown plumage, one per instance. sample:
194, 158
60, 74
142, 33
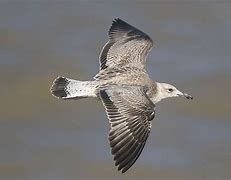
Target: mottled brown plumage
125, 89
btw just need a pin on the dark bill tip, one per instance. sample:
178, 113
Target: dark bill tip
187, 96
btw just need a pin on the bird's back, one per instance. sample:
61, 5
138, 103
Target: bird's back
129, 76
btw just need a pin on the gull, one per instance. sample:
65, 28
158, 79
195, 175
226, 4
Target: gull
124, 87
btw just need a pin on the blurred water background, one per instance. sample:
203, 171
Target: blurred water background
43, 138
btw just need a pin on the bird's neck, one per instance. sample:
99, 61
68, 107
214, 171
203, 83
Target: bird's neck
158, 96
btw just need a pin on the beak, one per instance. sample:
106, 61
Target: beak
185, 95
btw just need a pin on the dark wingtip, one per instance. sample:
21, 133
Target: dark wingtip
117, 20
118, 25
58, 87
123, 171
119, 28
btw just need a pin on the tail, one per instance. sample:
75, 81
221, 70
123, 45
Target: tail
65, 88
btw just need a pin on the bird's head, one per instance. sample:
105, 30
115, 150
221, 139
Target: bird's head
165, 90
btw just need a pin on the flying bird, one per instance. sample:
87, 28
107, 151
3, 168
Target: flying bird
124, 87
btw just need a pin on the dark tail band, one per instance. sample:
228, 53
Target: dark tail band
58, 88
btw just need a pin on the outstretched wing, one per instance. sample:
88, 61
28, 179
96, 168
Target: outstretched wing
130, 112
126, 45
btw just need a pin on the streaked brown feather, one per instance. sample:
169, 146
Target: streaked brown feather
127, 45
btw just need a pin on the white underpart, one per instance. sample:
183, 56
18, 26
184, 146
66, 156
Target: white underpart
80, 89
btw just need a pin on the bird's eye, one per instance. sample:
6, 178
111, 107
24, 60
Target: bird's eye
170, 90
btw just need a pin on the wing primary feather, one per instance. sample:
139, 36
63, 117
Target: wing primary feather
129, 111
130, 157
129, 164
122, 145
120, 157
119, 138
